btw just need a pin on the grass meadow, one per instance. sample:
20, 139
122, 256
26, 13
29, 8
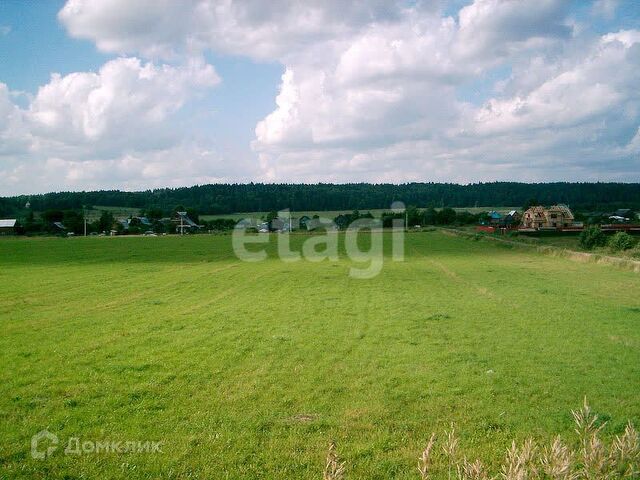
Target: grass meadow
250, 370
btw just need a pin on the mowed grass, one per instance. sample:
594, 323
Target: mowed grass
249, 370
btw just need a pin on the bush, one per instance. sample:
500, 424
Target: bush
621, 241
592, 237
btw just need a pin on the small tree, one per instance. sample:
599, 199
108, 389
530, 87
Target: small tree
50, 216
273, 215
414, 216
446, 216
153, 213
621, 241
430, 216
106, 221
592, 237
74, 221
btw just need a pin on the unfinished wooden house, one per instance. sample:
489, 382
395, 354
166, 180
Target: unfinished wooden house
556, 216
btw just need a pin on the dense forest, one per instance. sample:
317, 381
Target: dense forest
252, 197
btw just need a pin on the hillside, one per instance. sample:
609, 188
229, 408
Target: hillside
230, 198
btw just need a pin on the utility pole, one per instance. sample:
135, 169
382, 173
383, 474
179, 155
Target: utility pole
84, 216
290, 210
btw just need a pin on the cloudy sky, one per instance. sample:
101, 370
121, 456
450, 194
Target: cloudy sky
149, 93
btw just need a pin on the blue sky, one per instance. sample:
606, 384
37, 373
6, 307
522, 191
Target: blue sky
38, 45
150, 94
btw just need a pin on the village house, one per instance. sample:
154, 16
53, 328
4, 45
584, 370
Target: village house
184, 224
59, 227
511, 219
302, 222
556, 216
8, 226
494, 218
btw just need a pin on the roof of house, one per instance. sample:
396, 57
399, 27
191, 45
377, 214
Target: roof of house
183, 216
561, 209
60, 225
537, 209
622, 212
8, 222
494, 214
278, 223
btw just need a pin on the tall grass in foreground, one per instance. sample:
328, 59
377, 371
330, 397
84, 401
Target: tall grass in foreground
590, 459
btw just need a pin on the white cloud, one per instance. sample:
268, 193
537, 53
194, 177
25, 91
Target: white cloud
127, 104
255, 28
372, 90
117, 126
602, 87
5, 30
14, 133
573, 121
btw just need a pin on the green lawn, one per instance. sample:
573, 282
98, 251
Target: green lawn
249, 370
118, 212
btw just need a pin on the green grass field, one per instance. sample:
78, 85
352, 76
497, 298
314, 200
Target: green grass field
249, 370
118, 212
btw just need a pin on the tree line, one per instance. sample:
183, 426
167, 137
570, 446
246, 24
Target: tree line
261, 197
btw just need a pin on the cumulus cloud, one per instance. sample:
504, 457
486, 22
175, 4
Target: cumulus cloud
387, 106
124, 105
495, 28
86, 126
601, 86
131, 171
255, 28
14, 133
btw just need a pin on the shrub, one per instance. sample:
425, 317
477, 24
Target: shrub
621, 241
592, 237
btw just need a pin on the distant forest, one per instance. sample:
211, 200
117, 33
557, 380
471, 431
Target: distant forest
258, 197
